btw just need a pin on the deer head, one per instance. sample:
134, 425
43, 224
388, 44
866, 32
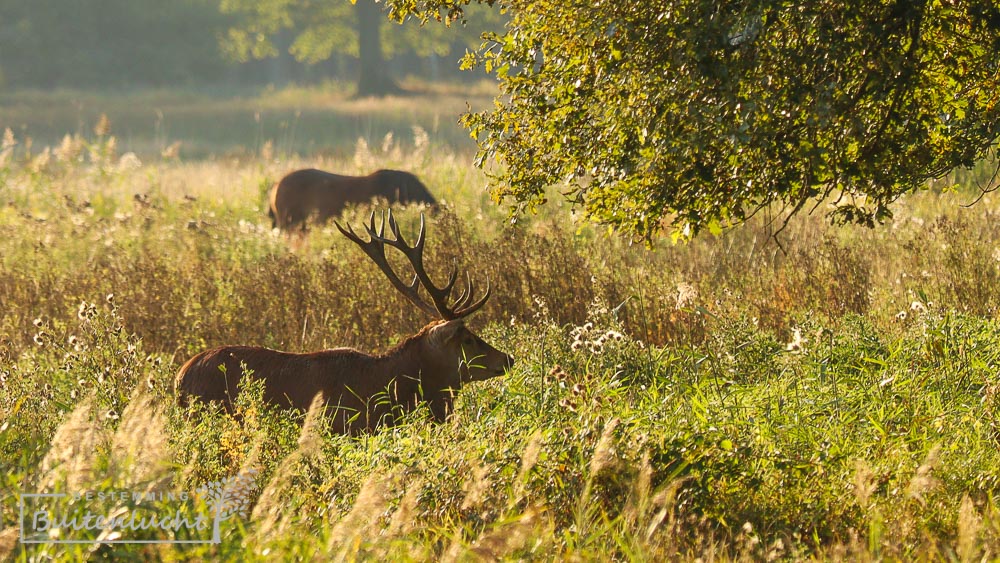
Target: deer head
459, 354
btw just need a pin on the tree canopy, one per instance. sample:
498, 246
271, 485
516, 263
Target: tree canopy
108, 43
322, 29
693, 114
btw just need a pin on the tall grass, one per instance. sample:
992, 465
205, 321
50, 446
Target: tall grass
722, 399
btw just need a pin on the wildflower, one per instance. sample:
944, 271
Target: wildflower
686, 295
86, 311
37, 322
901, 316
558, 372
111, 415
798, 343
110, 298
39, 338
918, 307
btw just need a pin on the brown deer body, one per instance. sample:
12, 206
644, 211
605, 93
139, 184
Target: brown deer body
362, 391
310, 192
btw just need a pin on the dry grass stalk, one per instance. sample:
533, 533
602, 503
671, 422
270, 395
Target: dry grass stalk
922, 481
505, 539
141, 443
403, 519
476, 487
373, 498
969, 524
8, 541
311, 439
528, 461
864, 482
604, 454
71, 457
638, 503
271, 511
665, 500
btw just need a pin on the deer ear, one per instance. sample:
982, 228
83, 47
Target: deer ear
446, 331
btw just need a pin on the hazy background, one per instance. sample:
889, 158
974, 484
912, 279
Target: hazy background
186, 71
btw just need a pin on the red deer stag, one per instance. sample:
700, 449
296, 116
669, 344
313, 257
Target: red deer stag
359, 390
309, 192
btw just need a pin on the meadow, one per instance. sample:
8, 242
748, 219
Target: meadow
830, 394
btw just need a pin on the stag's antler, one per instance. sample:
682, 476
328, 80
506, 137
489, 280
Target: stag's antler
375, 249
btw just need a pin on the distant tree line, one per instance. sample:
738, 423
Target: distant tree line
152, 43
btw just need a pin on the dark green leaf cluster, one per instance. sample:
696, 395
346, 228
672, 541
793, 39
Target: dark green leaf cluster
694, 114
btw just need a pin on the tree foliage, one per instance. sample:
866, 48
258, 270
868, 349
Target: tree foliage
323, 29
694, 114
109, 43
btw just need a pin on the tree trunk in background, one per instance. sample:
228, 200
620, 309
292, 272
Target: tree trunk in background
372, 79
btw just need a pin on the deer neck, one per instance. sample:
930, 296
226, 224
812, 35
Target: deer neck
404, 364
414, 368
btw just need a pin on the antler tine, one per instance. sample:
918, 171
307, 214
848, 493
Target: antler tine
394, 229
375, 248
466, 311
372, 231
348, 232
415, 254
466, 295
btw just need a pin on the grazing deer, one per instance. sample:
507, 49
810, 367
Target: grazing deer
303, 193
363, 391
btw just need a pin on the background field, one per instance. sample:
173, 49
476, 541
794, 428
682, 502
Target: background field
206, 123
834, 397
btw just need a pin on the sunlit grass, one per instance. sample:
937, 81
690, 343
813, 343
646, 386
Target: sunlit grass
723, 399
